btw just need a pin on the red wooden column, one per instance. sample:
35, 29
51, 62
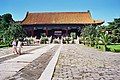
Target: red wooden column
67, 32
32, 31
46, 31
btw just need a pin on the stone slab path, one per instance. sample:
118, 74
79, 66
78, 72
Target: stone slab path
11, 67
6, 53
34, 70
48, 72
78, 62
8, 50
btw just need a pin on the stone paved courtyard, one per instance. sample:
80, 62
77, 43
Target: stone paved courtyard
10, 67
77, 62
6, 51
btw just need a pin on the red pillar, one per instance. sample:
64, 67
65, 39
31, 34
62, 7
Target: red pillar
46, 31
32, 31
67, 32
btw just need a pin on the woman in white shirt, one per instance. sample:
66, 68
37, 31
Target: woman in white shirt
14, 47
19, 46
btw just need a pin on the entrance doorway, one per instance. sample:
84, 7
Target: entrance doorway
38, 33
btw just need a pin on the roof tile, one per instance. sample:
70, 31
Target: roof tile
59, 18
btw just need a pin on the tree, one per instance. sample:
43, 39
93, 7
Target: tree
9, 29
83, 34
7, 18
6, 21
114, 27
88, 35
14, 31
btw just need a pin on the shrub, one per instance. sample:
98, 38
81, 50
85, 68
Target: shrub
43, 40
67, 39
63, 41
56, 41
73, 35
43, 35
73, 42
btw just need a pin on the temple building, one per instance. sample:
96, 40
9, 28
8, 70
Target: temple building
57, 24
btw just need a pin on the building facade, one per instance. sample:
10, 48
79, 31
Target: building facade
57, 24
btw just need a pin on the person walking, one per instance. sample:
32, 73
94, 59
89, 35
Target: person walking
14, 46
19, 46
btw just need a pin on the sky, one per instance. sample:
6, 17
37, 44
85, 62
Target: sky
105, 10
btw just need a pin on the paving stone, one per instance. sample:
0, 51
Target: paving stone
9, 68
78, 62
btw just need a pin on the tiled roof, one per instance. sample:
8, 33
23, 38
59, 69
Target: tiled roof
60, 18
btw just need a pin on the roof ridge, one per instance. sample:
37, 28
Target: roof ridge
53, 12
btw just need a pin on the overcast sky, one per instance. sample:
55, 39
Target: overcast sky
105, 10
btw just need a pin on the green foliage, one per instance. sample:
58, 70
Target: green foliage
14, 31
63, 41
105, 35
56, 41
67, 39
73, 35
105, 40
7, 18
92, 35
6, 21
43, 39
96, 42
1, 46
112, 48
43, 35
10, 30
114, 27
88, 35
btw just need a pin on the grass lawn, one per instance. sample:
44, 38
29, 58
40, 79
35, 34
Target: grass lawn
113, 47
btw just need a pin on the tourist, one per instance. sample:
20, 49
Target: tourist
14, 46
19, 46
